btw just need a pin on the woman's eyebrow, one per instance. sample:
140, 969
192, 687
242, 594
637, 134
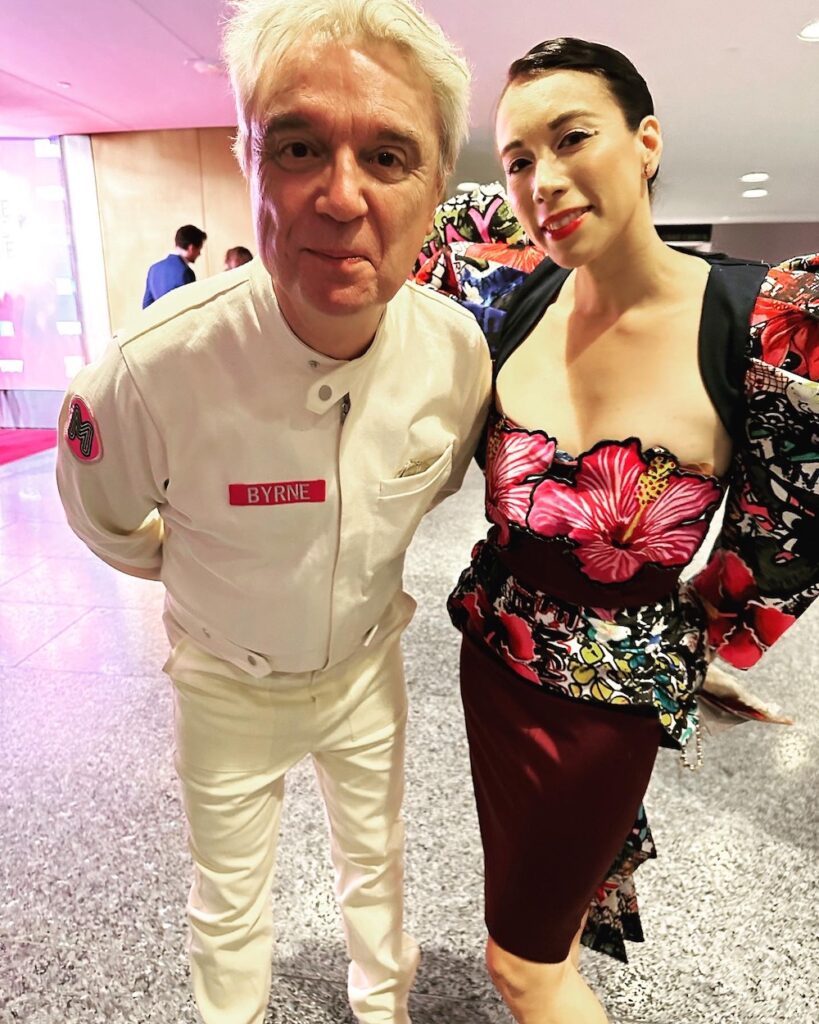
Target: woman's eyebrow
570, 115
552, 125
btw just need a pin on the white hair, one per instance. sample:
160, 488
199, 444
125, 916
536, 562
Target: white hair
259, 34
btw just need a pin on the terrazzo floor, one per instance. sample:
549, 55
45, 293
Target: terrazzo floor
94, 871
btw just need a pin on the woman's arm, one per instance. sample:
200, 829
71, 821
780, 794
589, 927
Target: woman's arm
764, 570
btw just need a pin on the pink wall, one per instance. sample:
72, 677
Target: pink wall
41, 341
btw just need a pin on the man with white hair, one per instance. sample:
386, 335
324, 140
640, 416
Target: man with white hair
266, 444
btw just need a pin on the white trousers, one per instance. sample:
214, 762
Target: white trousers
236, 736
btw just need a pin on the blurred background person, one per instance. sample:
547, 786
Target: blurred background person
237, 256
177, 267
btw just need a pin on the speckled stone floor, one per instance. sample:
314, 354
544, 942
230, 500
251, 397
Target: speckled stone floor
94, 870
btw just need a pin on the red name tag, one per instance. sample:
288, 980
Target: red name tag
293, 492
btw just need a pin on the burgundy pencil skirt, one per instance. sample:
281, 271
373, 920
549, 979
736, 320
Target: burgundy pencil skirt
558, 783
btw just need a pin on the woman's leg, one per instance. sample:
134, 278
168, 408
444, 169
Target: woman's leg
543, 993
574, 953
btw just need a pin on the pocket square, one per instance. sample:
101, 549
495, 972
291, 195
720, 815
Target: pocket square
416, 466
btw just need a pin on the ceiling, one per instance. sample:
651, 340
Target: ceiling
734, 88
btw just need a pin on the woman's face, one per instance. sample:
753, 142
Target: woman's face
575, 172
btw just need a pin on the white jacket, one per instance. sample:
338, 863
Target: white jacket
273, 490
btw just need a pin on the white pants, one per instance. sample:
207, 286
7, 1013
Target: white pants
236, 736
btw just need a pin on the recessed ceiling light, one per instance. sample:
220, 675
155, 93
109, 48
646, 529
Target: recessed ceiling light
810, 33
754, 193
468, 186
755, 176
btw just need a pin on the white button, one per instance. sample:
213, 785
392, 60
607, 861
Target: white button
312, 363
251, 660
325, 392
205, 633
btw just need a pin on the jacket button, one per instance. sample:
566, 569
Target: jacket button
325, 392
251, 660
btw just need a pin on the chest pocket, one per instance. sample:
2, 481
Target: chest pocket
401, 503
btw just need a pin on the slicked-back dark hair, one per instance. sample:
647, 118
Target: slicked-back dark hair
626, 85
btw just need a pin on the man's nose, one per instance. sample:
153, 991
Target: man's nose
341, 192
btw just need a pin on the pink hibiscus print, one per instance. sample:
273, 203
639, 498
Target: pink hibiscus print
478, 610
516, 645
787, 334
508, 634
740, 627
513, 457
623, 511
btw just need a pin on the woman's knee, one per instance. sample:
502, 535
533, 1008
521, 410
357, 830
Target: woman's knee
518, 979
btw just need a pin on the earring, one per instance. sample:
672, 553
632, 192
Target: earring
646, 171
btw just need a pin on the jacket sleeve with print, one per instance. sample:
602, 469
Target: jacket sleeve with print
763, 571
478, 254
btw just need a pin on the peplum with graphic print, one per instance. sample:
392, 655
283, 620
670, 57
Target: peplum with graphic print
610, 530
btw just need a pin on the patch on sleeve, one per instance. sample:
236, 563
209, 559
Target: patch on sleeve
82, 433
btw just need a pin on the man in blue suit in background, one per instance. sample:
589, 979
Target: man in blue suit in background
175, 270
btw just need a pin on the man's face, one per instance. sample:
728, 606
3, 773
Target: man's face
345, 179
192, 253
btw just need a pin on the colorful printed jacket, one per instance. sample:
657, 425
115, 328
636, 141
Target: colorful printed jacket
763, 571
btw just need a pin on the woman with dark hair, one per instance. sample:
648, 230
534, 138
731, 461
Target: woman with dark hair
634, 386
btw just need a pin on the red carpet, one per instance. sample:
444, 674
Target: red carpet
17, 444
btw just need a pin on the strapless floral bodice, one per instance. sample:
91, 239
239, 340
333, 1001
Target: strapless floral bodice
616, 508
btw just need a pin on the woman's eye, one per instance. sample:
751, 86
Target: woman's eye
574, 138
516, 166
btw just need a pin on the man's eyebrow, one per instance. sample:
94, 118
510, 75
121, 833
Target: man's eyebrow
403, 138
386, 136
552, 125
285, 122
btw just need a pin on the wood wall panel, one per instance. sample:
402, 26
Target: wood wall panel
150, 183
225, 198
